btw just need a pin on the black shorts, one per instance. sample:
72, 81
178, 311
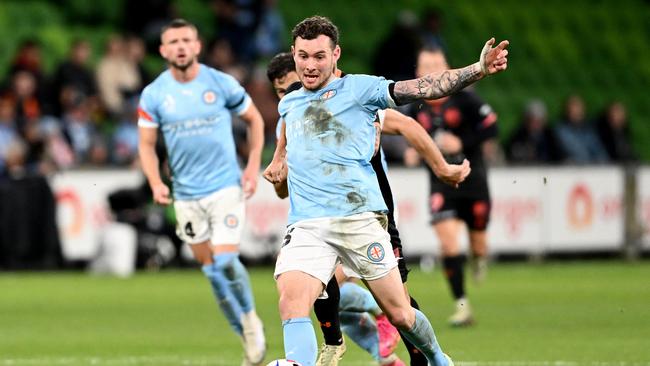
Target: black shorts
474, 210
396, 242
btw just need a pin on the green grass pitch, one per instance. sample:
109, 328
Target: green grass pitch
553, 314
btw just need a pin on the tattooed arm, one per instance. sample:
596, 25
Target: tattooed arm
438, 85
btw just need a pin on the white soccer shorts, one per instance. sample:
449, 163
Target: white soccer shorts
218, 217
359, 241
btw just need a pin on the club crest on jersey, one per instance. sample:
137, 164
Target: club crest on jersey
231, 221
328, 94
376, 252
209, 97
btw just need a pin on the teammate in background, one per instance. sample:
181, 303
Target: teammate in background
336, 211
459, 124
190, 104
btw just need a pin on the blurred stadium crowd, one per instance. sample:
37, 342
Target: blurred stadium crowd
83, 114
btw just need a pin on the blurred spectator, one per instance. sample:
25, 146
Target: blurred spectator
28, 58
237, 21
117, 76
269, 34
220, 56
396, 54
135, 54
534, 142
125, 138
75, 73
87, 144
577, 137
613, 130
8, 133
22, 93
430, 30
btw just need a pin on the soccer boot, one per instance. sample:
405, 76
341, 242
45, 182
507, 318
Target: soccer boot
388, 336
463, 314
330, 355
253, 338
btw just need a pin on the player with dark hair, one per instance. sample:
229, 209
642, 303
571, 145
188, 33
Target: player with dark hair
460, 124
337, 211
360, 316
191, 105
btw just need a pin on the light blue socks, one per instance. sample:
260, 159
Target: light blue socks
421, 335
231, 287
362, 329
300, 341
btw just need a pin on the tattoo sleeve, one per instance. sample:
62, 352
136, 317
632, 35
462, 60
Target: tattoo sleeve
437, 85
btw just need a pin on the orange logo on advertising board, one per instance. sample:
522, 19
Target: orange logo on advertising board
580, 207
70, 198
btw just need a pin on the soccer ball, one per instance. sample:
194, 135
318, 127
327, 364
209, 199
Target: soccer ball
283, 362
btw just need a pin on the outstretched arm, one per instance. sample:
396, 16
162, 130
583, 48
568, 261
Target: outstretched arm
440, 84
396, 123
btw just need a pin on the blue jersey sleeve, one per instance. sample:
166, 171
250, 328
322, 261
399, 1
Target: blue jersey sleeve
237, 99
372, 91
147, 108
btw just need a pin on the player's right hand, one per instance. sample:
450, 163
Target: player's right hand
276, 172
161, 194
455, 174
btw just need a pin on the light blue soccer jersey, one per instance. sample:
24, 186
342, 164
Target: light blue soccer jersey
196, 124
330, 141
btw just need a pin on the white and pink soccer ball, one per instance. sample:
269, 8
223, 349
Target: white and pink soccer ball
283, 362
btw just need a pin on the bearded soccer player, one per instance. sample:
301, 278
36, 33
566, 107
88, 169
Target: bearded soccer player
191, 105
336, 208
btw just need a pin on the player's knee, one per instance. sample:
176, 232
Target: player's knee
401, 318
293, 305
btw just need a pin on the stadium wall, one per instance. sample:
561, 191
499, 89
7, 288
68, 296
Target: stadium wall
536, 211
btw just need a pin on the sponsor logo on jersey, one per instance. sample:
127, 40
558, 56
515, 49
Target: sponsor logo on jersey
209, 97
376, 252
328, 94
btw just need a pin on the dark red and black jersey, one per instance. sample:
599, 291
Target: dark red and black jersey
467, 116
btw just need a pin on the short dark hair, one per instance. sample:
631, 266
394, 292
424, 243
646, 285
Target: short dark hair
178, 23
313, 27
280, 65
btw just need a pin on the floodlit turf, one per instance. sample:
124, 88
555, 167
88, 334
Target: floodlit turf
557, 314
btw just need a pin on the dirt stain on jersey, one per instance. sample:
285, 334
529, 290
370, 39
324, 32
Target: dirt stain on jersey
329, 168
322, 124
355, 199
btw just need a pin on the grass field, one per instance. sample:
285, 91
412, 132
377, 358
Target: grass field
555, 314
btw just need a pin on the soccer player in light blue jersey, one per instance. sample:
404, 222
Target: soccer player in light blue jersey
191, 104
336, 209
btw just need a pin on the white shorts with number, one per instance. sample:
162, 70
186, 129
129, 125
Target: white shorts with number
359, 241
218, 217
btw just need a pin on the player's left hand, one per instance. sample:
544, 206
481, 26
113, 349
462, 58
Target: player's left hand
249, 181
455, 174
494, 60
